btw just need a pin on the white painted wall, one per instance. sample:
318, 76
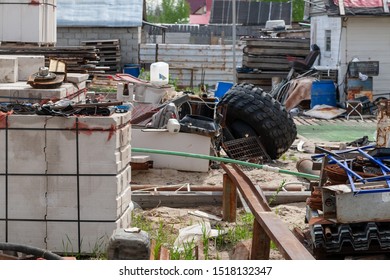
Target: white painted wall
367, 38
319, 25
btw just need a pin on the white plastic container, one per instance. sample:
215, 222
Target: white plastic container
159, 73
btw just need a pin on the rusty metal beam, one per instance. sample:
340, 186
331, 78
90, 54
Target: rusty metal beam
267, 222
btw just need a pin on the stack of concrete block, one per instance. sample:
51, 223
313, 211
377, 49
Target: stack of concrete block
15, 71
64, 182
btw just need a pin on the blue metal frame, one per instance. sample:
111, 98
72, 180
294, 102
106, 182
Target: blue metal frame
352, 175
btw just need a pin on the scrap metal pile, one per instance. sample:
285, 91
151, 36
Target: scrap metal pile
349, 210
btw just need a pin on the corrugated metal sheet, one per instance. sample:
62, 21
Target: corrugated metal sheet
104, 13
187, 62
316, 7
251, 12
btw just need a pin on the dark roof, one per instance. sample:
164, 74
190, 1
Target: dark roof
250, 12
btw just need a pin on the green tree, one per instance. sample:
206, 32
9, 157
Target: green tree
170, 11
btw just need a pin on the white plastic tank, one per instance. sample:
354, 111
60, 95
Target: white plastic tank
159, 73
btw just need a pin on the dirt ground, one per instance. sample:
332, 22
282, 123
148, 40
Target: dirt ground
293, 214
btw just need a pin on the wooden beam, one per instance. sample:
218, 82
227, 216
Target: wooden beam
261, 243
229, 200
267, 221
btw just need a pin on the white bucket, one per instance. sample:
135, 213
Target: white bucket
159, 73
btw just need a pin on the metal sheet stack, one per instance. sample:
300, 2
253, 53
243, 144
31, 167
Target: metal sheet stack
265, 58
351, 238
64, 182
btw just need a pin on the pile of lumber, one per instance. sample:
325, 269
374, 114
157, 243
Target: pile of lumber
264, 58
109, 52
79, 59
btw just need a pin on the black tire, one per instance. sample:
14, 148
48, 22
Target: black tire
264, 114
241, 129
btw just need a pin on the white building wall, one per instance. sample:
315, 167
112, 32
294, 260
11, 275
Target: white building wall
368, 38
319, 25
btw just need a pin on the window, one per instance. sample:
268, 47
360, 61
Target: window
328, 40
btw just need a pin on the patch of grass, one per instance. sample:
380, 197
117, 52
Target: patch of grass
241, 231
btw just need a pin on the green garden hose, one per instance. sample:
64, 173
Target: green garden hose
226, 160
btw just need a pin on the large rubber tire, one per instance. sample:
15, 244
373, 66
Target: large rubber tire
264, 114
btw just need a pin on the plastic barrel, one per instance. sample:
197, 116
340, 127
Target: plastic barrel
222, 88
131, 69
323, 93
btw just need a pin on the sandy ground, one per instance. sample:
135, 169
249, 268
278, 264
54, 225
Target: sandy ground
293, 214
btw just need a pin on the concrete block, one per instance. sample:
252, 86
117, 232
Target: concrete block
61, 152
181, 142
27, 65
28, 233
100, 151
98, 198
27, 121
125, 156
2, 148
2, 231
95, 236
21, 91
27, 197
8, 70
125, 200
62, 237
26, 152
62, 198
125, 245
76, 77
125, 219
2, 198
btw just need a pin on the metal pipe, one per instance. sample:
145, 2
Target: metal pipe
305, 165
327, 233
226, 160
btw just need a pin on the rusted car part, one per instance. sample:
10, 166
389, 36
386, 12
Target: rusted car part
13, 251
262, 115
267, 225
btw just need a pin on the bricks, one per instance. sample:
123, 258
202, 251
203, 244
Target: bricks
52, 167
20, 91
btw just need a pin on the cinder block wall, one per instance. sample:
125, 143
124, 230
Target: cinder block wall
129, 37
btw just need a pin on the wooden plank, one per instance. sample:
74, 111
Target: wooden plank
265, 59
291, 52
285, 44
261, 243
267, 221
229, 204
288, 245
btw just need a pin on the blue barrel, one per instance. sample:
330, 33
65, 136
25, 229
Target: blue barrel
222, 88
323, 93
131, 69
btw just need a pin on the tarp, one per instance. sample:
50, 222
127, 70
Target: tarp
99, 13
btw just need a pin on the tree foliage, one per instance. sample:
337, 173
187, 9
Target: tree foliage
169, 11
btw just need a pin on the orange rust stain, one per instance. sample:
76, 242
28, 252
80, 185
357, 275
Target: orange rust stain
112, 131
3, 119
82, 127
